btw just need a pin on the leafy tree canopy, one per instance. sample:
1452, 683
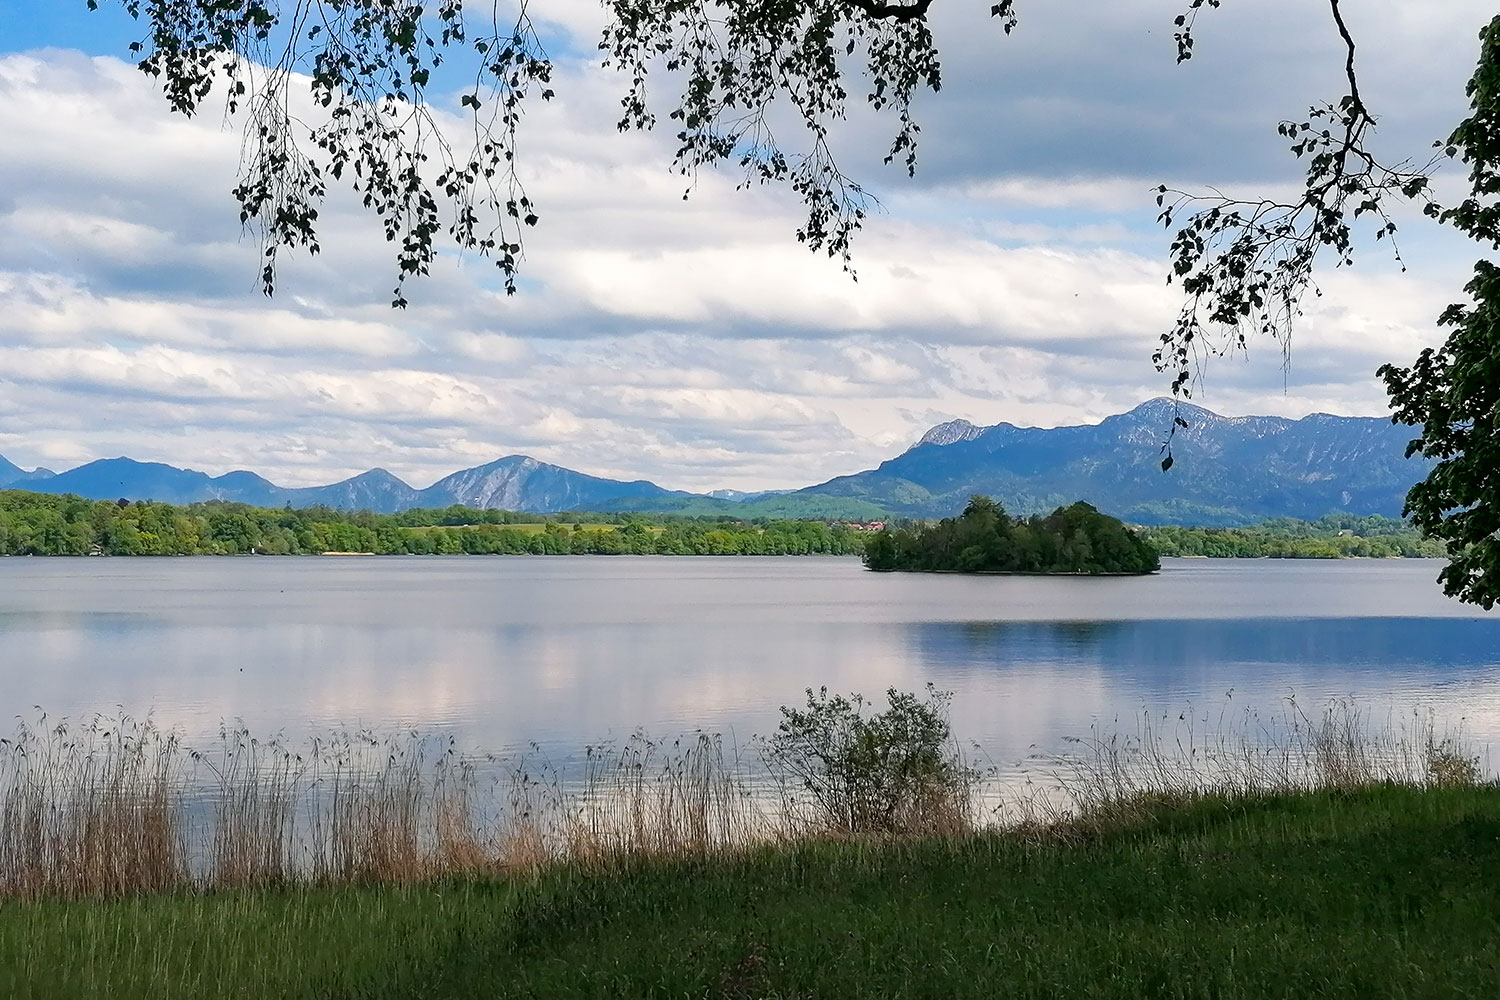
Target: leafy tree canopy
1453, 392
984, 539
39, 524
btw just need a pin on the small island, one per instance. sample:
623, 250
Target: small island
1075, 540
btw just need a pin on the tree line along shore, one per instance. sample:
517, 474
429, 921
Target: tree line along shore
38, 524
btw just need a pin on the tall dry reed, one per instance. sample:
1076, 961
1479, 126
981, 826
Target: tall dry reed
115, 806
648, 798
118, 806
254, 796
1108, 773
96, 809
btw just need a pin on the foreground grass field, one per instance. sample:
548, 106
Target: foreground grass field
1385, 892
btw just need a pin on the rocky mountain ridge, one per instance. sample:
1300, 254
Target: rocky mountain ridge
514, 483
1226, 470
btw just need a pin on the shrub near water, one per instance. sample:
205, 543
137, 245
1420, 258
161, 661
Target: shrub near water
895, 771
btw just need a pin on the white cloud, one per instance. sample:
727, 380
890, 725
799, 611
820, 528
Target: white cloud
1020, 278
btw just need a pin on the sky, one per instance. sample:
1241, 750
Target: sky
1019, 277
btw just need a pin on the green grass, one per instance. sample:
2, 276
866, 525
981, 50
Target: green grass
1388, 892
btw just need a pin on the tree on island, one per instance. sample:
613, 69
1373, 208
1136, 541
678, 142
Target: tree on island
984, 539
1244, 264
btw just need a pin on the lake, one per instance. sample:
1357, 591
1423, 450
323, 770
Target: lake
569, 651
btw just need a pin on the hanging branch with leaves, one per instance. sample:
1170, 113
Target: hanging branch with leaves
1245, 265
1452, 392
365, 119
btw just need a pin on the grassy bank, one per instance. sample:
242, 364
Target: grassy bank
1387, 891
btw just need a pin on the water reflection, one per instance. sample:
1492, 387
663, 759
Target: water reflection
565, 652
1041, 681
1170, 644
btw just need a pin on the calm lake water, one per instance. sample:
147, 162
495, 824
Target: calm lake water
565, 652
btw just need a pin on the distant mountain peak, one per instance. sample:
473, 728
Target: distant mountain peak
1165, 408
376, 475
951, 432
509, 462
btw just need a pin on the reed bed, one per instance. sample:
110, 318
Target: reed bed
647, 798
1109, 775
119, 806
92, 810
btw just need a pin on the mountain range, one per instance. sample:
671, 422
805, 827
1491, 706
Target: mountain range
1225, 471
516, 482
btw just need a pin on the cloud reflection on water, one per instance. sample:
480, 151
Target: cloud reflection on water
569, 652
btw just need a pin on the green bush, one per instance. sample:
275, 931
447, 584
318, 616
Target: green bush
896, 771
